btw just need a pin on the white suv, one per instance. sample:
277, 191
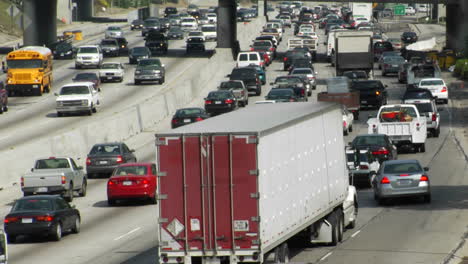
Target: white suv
90, 55
77, 97
437, 87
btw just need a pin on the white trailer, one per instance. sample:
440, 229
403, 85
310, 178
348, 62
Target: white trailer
362, 10
402, 123
235, 188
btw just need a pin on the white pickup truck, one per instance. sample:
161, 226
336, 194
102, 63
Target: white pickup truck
76, 98
55, 175
402, 123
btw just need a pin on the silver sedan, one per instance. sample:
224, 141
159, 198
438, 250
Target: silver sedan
401, 178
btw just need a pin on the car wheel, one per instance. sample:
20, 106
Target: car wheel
258, 91
77, 226
5, 108
350, 128
383, 74
422, 148
345, 132
437, 132
356, 116
77, 67
11, 238
84, 187
69, 194
246, 102
94, 110
111, 202
57, 233
1, 110
309, 93
446, 101
340, 225
154, 199
427, 198
137, 82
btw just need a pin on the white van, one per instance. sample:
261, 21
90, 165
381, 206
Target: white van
331, 43
245, 59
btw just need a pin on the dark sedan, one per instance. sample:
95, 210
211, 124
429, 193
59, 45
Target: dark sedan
88, 77
175, 33
371, 93
187, 116
195, 44
136, 24
104, 158
417, 93
221, 101
379, 144
41, 215
409, 37
137, 53
63, 50
381, 47
282, 95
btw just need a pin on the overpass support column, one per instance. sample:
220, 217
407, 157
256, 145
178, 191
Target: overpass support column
227, 25
84, 9
40, 22
455, 24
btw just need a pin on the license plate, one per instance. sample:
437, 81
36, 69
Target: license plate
147, 77
394, 65
103, 162
26, 220
61, 54
174, 36
41, 189
187, 120
364, 102
404, 182
109, 78
218, 102
127, 183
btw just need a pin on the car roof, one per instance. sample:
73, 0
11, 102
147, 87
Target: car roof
41, 196
432, 79
401, 161
78, 83
302, 69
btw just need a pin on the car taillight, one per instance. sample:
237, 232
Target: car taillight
434, 116
302, 92
251, 49
404, 175
64, 179
292, 100
119, 159
381, 151
285, 58
144, 182
88, 161
272, 49
11, 219
111, 182
208, 102
364, 167
385, 180
377, 93
258, 80
444, 90
45, 218
386, 65
22, 181
344, 123
424, 178
198, 119
229, 101
174, 121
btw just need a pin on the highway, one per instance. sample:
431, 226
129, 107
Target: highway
407, 231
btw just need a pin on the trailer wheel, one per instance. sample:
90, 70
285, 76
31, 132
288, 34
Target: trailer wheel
422, 148
340, 224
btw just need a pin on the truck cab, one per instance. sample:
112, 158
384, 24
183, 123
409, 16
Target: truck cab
77, 97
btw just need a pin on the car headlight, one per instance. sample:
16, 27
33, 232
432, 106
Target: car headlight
68, 52
157, 71
84, 102
59, 103
137, 72
144, 57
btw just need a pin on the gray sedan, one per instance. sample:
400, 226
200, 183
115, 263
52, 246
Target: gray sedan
401, 178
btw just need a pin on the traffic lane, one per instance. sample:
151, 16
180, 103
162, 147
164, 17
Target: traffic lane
114, 96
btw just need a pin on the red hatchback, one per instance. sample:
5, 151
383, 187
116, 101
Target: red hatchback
133, 181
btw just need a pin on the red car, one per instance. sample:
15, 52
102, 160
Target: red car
3, 98
133, 181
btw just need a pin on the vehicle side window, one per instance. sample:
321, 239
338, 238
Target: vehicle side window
243, 57
73, 165
125, 149
60, 204
153, 169
253, 57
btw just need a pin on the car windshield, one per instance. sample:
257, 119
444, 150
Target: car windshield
284, 80
243, 73
139, 51
24, 64
52, 164
369, 140
424, 107
431, 82
208, 29
33, 204
114, 28
88, 50
110, 66
131, 170
85, 76
219, 95
399, 168
280, 94
392, 40
151, 23
394, 59
356, 75
230, 85
108, 42
383, 45
366, 85
149, 63
105, 150
195, 34
189, 112
262, 44
302, 71
188, 20
418, 94
64, 47
68, 90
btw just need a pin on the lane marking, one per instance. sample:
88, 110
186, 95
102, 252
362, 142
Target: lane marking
326, 256
126, 234
356, 233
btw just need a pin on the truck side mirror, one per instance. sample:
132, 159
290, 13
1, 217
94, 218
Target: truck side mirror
32, 169
4, 67
80, 167
426, 168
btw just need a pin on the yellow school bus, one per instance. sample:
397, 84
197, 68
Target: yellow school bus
29, 71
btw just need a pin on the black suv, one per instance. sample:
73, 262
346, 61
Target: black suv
195, 44
169, 11
371, 92
157, 42
63, 50
110, 47
123, 45
250, 78
409, 37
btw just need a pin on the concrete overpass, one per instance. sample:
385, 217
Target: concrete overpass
40, 18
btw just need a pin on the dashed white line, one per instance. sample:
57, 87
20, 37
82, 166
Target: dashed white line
126, 234
355, 233
326, 256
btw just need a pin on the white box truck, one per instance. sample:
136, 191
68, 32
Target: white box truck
362, 10
354, 51
235, 188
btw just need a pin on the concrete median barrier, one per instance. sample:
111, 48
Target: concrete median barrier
200, 77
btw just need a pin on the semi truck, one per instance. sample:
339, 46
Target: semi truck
354, 51
235, 188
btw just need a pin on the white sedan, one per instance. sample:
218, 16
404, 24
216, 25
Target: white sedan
437, 87
348, 118
111, 71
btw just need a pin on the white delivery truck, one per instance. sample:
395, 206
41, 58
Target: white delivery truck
3, 248
402, 123
235, 188
354, 51
331, 44
362, 10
